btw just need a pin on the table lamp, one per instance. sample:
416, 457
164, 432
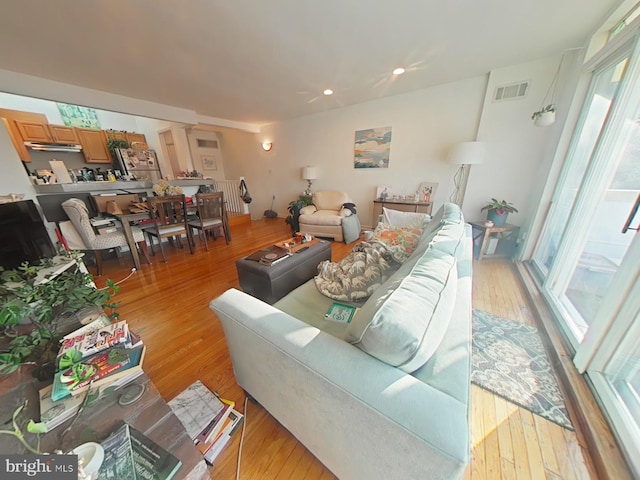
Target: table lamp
309, 173
465, 154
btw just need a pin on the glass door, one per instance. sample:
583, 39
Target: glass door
589, 252
597, 106
598, 256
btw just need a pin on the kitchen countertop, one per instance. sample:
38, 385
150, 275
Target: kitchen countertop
110, 186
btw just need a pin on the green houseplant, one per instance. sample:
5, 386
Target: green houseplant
294, 211
32, 310
498, 211
114, 143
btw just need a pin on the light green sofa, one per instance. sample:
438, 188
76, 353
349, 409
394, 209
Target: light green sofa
363, 417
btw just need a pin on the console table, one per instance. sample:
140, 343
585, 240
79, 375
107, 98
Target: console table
402, 205
150, 415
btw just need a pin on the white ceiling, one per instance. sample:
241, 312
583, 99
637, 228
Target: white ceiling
260, 61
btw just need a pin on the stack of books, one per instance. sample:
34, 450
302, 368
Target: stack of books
99, 354
269, 256
209, 420
129, 454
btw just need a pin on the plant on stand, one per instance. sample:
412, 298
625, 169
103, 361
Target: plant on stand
497, 211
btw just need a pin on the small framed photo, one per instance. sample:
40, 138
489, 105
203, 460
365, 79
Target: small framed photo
426, 191
383, 192
209, 162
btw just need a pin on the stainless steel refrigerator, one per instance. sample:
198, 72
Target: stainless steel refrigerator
141, 164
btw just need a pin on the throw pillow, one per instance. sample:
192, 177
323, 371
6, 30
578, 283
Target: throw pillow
396, 218
401, 241
404, 325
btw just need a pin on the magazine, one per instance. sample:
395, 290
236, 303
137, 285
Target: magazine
339, 312
97, 340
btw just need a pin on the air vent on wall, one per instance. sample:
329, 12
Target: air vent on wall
511, 91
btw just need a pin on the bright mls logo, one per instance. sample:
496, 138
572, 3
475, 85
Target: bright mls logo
43, 467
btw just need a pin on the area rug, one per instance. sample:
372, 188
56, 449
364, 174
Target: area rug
509, 360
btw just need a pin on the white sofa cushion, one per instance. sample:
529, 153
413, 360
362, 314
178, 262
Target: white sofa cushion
406, 327
396, 218
322, 217
330, 200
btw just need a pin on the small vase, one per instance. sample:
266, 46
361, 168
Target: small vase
497, 219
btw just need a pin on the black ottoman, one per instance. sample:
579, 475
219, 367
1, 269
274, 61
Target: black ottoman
271, 283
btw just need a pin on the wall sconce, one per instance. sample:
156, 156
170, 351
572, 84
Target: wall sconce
266, 146
465, 154
309, 173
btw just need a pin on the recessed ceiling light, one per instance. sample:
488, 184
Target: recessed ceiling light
328, 91
398, 71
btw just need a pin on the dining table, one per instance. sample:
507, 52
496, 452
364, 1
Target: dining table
127, 218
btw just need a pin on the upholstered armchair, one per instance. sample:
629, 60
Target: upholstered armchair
328, 217
79, 233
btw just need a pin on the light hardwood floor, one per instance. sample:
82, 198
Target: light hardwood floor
167, 303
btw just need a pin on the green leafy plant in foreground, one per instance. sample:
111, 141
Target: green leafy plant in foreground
24, 300
32, 427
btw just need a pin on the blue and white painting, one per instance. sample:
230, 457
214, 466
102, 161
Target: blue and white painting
372, 148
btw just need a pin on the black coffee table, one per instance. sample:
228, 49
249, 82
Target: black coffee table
271, 283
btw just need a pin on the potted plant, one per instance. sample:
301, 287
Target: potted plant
545, 116
294, 211
114, 143
497, 211
33, 312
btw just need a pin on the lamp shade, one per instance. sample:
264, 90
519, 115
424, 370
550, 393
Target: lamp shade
309, 173
468, 153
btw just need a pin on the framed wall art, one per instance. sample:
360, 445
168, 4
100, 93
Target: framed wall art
75, 116
209, 162
372, 147
426, 191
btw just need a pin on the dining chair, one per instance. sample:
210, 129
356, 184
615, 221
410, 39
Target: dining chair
169, 217
212, 215
79, 233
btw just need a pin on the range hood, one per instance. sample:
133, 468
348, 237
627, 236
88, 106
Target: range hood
53, 147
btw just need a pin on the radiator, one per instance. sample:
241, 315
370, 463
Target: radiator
231, 190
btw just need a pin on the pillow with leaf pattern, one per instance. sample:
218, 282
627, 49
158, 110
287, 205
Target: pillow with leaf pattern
401, 241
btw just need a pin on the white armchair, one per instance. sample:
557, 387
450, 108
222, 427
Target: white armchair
328, 218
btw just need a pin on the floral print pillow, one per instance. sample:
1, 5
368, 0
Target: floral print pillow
401, 241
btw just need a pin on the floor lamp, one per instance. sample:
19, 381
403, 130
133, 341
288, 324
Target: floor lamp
465, 154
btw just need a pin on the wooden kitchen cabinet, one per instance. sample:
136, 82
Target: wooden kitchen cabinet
94, 145
34, 131
10, 118
116, 135
64, 134
137, 141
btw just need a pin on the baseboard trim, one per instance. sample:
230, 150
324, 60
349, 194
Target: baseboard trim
591, 427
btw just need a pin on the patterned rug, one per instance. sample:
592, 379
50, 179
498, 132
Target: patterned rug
509, 360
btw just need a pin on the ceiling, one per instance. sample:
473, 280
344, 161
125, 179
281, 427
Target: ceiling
261, 61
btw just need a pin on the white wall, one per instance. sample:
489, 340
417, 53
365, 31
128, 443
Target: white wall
425, 125
519, 154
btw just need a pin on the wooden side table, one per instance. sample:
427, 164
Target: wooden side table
402, 205
485, 233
